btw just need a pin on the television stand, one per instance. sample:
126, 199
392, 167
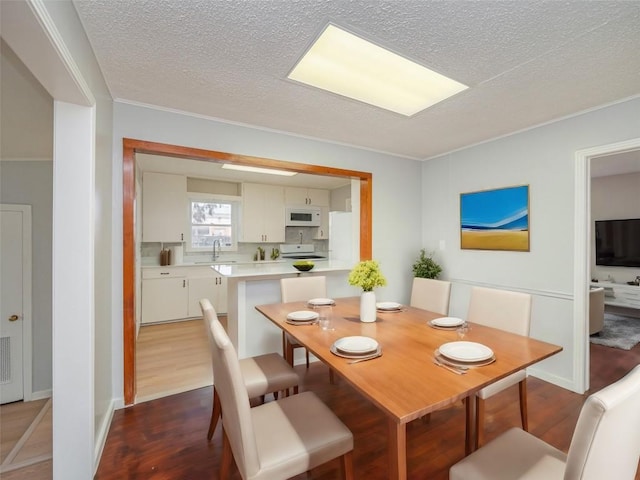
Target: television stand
620, 294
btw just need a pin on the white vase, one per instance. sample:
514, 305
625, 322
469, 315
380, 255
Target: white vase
368, 307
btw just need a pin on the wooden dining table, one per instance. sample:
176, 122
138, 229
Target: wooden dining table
404, 382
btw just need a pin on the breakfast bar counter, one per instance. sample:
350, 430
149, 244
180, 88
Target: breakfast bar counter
254, 284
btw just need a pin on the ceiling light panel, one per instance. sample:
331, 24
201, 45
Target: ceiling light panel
246, 168
343, 63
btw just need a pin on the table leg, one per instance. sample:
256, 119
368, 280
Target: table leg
470, 435
397, 450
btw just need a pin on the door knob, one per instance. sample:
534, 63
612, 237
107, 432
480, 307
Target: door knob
13, 318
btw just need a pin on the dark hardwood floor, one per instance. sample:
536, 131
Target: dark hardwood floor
166, 438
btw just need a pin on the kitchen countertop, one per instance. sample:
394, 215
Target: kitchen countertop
267, 269
208, 264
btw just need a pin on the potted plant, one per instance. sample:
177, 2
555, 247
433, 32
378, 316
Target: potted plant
426, 267
367, 276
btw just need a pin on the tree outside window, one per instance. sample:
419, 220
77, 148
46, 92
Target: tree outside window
212, 220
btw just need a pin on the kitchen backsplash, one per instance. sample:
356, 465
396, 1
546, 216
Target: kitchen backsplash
150, 251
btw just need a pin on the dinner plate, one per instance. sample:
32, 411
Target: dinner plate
302, 316
457, 363
388, 306
342, 354
356, 345
317, 302
466, 351
447, 322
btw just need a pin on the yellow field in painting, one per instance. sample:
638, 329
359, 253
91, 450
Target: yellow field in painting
496, 240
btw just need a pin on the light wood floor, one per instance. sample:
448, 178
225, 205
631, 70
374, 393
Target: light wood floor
26, 440
172, 358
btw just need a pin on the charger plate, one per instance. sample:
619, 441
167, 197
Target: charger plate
448, 322
454, 363
320, 302
356, 345
339, 353
466, 351
388, 306
302, 316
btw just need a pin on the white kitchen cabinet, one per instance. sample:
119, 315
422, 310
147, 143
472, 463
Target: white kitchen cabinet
204, 282
164, 207
262, 213
164, 295
322, 232
306, 196
174, 293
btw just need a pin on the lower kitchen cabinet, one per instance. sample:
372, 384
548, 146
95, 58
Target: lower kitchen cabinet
164, 299
212, 287
174, 293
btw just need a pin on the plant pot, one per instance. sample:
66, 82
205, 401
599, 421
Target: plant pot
368, 307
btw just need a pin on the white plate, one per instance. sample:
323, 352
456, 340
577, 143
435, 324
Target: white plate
356, 345
388, 306
302, 316
466, 351
321, 301
340, 353
447, 322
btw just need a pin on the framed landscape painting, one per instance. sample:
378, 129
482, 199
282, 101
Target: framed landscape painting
495, 219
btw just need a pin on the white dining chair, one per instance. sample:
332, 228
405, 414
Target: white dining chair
262, 374
275, 440
511, 312
605, 444
299, 289
431, 294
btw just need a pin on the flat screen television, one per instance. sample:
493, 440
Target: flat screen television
618, 242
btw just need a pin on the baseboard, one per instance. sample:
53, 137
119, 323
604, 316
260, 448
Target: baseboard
101, 435
554, 379
41, 394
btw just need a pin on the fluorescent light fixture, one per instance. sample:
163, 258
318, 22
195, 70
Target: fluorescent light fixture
343, 63
246, 168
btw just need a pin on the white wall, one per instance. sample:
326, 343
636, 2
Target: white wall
614, 197
49, 33
31, 183
66, 20
396, 188
26, 153
543, 158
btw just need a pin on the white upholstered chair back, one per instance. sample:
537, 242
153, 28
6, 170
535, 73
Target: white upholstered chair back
508, 311
596, 310
606, 440
430, 294
236, 417
300, 289
605, 444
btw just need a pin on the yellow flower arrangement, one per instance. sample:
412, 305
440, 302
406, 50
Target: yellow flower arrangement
367, 276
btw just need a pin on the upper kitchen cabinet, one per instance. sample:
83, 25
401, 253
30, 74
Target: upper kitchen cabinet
263, 213
306, 196
164, 207
322, 232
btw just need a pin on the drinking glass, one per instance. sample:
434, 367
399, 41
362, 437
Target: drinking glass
325, 314
462, 330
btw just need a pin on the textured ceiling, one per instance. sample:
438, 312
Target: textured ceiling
527, 62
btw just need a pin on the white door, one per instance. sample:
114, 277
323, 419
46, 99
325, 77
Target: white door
15, 250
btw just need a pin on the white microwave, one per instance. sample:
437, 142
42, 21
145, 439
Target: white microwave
302, 216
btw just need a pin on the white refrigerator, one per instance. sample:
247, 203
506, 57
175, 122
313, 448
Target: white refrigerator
341, 238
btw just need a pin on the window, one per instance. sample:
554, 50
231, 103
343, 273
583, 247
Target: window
213, 218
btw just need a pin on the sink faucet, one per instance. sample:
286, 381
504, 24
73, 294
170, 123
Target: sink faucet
214, 254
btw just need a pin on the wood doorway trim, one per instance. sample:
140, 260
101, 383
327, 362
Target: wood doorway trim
130, 148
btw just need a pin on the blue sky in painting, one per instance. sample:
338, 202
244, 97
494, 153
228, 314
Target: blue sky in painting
505, 209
